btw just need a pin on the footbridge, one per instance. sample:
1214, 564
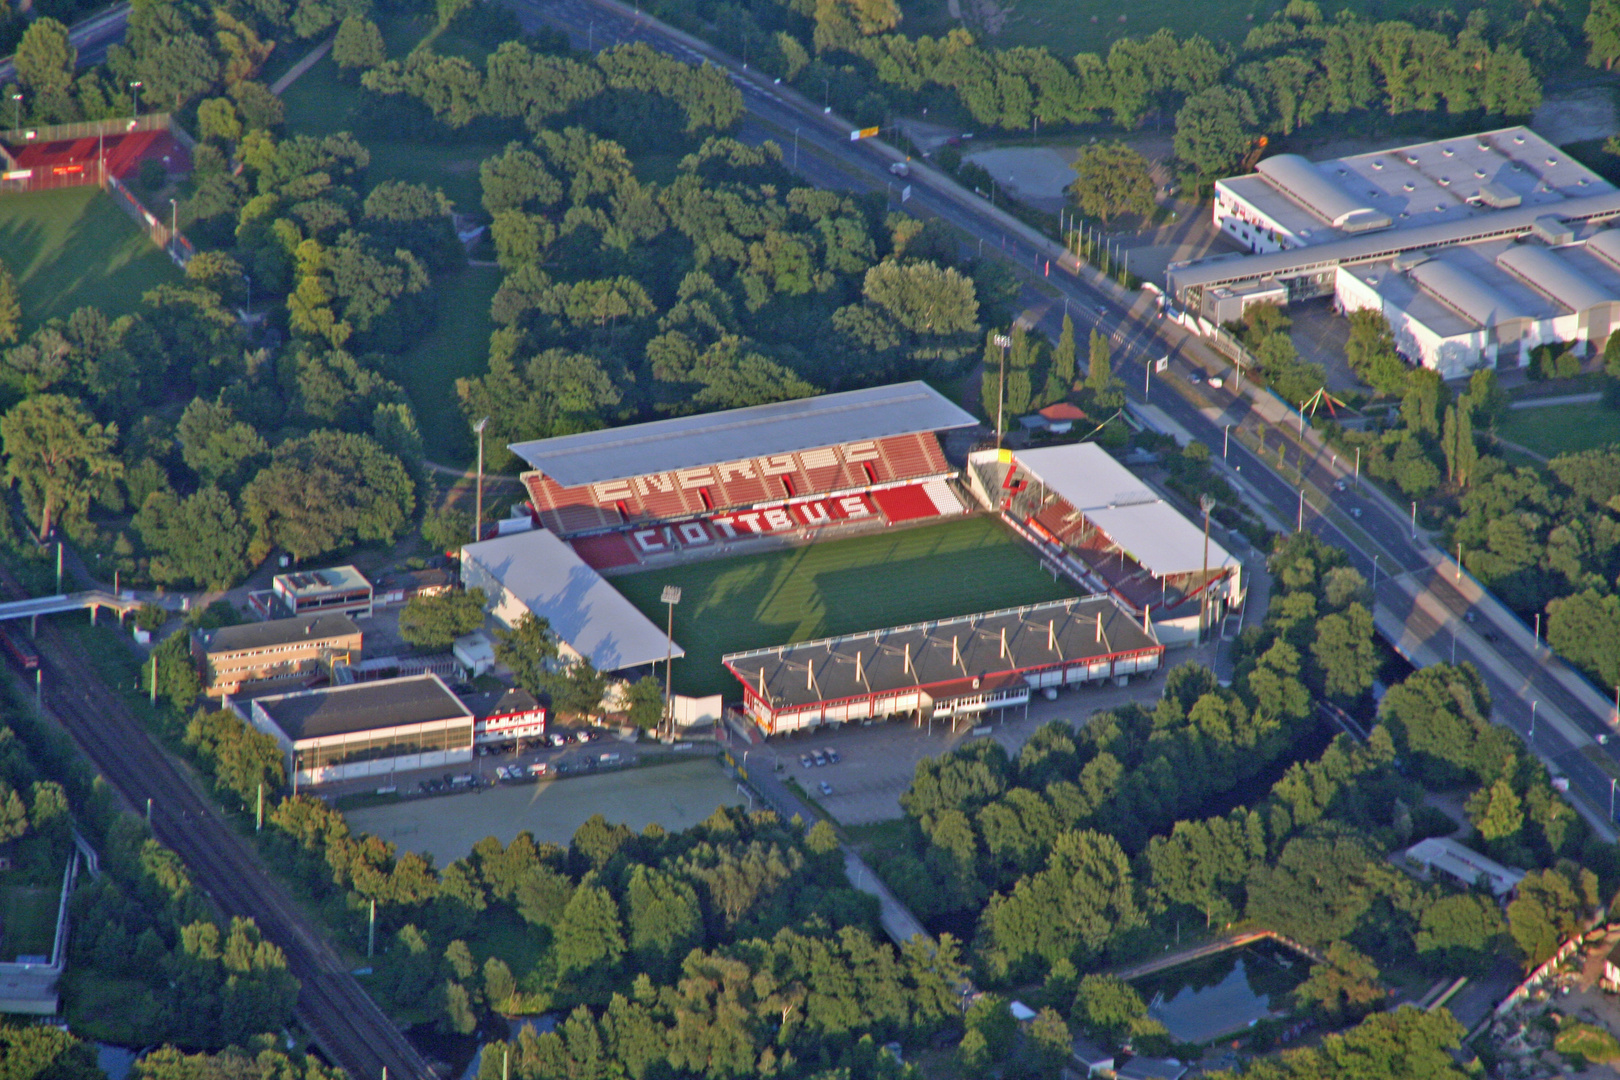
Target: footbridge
95, 600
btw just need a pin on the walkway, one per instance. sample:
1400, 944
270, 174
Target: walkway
298, 69
1210, 948
1562, 399
95, 600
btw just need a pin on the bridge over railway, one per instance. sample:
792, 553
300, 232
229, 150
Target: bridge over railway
94, 600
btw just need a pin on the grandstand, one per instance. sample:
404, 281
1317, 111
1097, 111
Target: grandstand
951, 669
790, 467
1087, 512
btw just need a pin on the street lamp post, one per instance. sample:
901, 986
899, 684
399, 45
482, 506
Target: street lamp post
478, 498
795, 149
1414, 519
135, 86
1538, 630
1001, 384
1206, 503
1533, 705
1612, 782
1226, 441
16, 101
1300, 527
671, 597
1375, 581
174, 223
1358, 468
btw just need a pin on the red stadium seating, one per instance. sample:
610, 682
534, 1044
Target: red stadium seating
605, 551
905, 503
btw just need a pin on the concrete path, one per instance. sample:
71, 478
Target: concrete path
1564, 399
302, 66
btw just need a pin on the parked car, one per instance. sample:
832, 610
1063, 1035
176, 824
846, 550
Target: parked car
610, 759
540, 768
583, 737
900, 168
826, 788
804, 759
819, 758
832, 756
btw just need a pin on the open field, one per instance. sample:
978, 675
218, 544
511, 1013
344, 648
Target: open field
457, 347
1558, 429
838, 587
1070, 26
675, 796
73, 247
29, 914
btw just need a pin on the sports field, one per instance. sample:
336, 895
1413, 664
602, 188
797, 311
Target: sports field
1561, 429
865, 583
72, 247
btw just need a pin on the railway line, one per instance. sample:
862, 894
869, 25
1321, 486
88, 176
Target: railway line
345, 1023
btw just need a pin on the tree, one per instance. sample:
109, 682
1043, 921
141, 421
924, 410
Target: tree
45, 58
10, 307
434, 622
1460, 932
1371, 352
576, 687
1112, 179
447, 528
1100, 365
176, 674
1603, 33
1060, 373
528, 650
42, 1052
1346, 987
1080, 901
1214, 130
1457, 441
644, 703
200, 539
1547, 909
589, 936
1345, 653
358, 44
241, 757
326, 491
1109, 1008
924, 297
57, 456
665, 920
1497, 811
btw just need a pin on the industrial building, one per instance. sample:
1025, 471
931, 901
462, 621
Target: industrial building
536, 573
949, 669
1099, 522
1476, 249
266, 656
367, 729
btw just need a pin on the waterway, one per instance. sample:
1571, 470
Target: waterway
1226, 993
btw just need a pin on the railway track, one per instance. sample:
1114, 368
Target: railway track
347, 1025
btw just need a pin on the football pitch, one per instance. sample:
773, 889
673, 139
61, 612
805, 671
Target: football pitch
839, 587
73, 247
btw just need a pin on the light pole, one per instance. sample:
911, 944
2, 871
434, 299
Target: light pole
1533, 705
1375, 581
1358, 468
1001, 384
1459, 560
1300, 527
795, 149
671, 597
16, 101
478, 498
135, 86
1538, 631
1206, 503
1414, 519
826, 94
174, 223
1611, 798
1226, 441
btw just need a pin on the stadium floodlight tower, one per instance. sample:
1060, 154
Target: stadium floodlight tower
478, 498
671, 597
1206, 503
1001, 384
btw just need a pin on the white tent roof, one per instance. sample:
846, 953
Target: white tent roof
1147, 528
584, 610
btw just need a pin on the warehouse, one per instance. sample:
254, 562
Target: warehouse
366, 729
951, 669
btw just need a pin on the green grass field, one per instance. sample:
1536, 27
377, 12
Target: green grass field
839, 587
73, 247
457, 347
29, 912
1071, 26
1559, 429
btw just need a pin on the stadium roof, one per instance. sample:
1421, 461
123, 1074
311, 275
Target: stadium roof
1136, 519
553, 582
263, 635
686, 442
367, 706
949, 654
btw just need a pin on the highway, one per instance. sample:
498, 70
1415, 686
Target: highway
344, 1022
1419, 603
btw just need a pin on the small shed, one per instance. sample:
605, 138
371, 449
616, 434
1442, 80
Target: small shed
475, 652
1149, 1068
1088, 1059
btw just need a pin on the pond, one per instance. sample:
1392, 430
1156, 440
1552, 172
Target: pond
1226, 993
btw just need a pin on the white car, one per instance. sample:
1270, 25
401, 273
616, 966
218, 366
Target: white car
1216, 381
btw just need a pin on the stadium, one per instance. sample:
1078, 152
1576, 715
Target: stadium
826, 521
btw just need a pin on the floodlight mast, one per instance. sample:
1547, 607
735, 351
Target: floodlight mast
671, 596
478, 504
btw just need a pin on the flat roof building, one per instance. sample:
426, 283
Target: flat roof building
262, 656
536, 573
1464, 865
952, 668
503, 716
1476, 248
367, 729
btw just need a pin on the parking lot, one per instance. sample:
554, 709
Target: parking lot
676, 796
876, 762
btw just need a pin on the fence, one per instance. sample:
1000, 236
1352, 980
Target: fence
80, 172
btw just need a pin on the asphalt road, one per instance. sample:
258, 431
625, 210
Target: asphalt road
92, 36
1522, 680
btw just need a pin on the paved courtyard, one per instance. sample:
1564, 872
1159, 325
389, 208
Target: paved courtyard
446, 827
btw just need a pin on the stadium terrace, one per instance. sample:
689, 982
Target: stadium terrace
949, 669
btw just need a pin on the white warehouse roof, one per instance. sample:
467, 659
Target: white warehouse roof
1154, 533
554, 583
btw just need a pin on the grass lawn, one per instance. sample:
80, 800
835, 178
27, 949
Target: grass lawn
839, 587
1587, 1041
73, 247
1070, 26
29, 914
1558, 429
457, 347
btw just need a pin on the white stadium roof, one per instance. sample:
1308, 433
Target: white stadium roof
711, 438
547, 576
1136, 519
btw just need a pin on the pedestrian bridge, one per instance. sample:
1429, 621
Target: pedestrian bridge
94, 600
